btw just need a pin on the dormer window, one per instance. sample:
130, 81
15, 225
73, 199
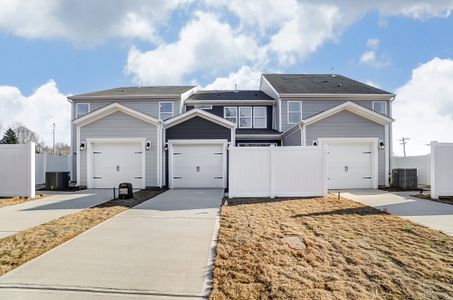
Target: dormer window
82, 109
380, 107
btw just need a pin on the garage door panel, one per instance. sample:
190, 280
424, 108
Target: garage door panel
349, 165
198, 166
116, 162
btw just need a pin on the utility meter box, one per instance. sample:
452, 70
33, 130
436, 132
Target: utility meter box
125, 190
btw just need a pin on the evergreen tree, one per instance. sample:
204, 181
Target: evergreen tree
9, 137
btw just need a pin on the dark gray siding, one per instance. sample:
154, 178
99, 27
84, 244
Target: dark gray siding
259, 141
293, 139
198, 128
349, 125
218, 111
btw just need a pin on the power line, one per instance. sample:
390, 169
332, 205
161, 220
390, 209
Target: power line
403, 141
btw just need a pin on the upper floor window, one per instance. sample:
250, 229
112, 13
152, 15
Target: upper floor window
230, 114
245, 117
82, 109
259, 117
165, 110
294, 112
203, 106
380, 107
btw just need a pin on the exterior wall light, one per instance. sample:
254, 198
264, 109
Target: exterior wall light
381, 145
82, 146
315, 143
148, 146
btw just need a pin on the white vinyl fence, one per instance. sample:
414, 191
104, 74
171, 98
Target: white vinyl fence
422, 163
17, 170
277, 171
50, 163
441, 169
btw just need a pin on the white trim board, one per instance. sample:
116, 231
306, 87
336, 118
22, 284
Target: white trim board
110, 109
323, 142
198, 113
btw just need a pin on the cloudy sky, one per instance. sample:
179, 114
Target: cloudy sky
50, 49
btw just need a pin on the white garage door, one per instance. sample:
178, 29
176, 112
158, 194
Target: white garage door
198, 166
114, 163
349, 166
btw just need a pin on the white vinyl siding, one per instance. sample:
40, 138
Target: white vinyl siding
230, 113
259, 117
165, 110
294, 112
245, 117
82, 109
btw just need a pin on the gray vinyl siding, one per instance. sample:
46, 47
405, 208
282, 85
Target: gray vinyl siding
293, 139
149, 107
121, 125
313, 107
349, 125
197, 128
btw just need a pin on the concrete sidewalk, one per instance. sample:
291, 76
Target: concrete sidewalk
22, 216
438, 216
159, 249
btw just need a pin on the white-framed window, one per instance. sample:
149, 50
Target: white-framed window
203, 106
294, 112
380, 107
245, 117
165, 110
230, 113
259, 117
82, 109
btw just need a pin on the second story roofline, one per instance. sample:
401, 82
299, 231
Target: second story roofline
124, 93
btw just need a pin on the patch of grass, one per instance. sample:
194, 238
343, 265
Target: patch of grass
352, 252
23, 246
4, 202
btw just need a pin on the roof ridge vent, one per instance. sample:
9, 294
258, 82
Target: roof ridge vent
333, 72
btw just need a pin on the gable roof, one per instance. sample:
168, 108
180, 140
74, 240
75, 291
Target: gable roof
198, 113
351, 107
320, 84
135, 92
110, 109
230, 95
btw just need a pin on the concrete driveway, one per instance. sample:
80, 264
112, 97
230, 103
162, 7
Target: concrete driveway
438, 216
22, 216
159, 249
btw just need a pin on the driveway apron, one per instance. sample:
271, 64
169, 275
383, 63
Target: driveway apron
158, 249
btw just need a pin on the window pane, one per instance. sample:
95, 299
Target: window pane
166, 107
82, 109
260, 123
259, 111
230, 111
294, 106
294, 117
234, 120
245, 111
379, 107
245, 122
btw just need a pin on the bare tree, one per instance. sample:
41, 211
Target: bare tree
25, 135
62, 149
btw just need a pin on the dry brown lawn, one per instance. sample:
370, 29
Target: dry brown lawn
4, 202
23, 246
352, 252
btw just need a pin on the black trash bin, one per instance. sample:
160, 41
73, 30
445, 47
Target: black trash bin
57, 181
125, 190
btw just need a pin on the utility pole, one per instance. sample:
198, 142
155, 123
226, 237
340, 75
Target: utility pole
53, 138
403, 141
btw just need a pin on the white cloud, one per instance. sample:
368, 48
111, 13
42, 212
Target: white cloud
37, 112
245, 78
86, 23
372, 83
205, 44
370, 56
373, 43
423, 108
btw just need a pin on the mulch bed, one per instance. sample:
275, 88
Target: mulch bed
447, 200
23, 246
